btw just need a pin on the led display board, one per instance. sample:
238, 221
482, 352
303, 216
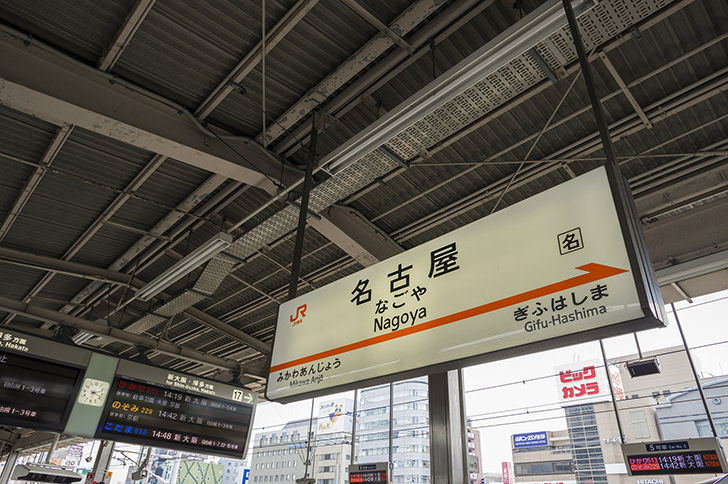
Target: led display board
377, 473
565, 266
693, 456
182, 412
38, 381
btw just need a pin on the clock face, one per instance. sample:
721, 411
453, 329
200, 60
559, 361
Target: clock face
93, 392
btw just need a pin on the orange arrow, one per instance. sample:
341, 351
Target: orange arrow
594, 272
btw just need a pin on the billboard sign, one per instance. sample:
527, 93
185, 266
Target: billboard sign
558, 268
533, 439
507, 472
334, 416
582, 380
617, 386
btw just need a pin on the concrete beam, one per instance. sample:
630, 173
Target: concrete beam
355, 235
48, 85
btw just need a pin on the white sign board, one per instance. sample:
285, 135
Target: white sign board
581, 382
553, 265
334, 416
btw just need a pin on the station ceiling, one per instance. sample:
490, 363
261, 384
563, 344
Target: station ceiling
132, 131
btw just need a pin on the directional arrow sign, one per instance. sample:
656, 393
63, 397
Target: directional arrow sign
546, 272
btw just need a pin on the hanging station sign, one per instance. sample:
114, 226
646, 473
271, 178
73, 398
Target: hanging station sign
39, 380
564, 266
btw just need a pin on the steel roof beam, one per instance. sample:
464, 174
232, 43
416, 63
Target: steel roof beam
50, 154
147, 342
86, 271
378, 24
292, 17
125, 34
439, 29
412, 17
625, 90
43, 83
355, 235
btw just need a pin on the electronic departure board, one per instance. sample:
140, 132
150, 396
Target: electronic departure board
377, 473
704, 462
34, 393
692, 456
164, 416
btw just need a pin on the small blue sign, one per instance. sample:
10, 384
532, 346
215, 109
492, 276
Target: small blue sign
533, 439
684, 445
367, 467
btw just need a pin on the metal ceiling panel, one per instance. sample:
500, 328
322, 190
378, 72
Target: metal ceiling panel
216, 34
324, 39
83, 29
15, 279
184, 49
23, 136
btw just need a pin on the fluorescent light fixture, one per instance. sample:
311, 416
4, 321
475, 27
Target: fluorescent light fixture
693, 268
509, 45
187, 264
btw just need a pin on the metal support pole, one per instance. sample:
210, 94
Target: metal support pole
586, 72
391, 424
695, 373
52, 449
353, 425
622, 190
308, 442
103, 459
9, 466
307, 185
448, 454
611, 391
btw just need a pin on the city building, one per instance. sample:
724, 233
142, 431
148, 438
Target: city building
683, 414
410, 446
281, 455
662, 406
474, 453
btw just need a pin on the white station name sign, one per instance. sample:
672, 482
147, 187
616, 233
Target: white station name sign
553, 265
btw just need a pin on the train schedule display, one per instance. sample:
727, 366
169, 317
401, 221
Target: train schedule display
184, 413
691, 456
38, 382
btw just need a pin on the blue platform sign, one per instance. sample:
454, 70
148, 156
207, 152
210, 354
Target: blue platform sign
533, 439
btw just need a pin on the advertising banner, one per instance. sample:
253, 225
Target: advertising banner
334, 416
581, 381
533, 439
549, 271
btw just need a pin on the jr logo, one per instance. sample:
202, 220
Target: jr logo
300, 310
